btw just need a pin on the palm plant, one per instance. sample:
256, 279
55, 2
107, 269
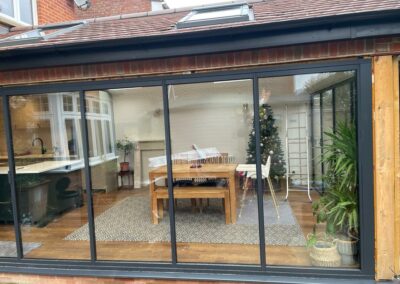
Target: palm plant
338, 207
340, 157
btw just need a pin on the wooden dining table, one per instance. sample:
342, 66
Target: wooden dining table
185, 171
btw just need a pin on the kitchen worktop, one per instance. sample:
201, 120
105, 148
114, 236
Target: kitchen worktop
53, 166
45, 166
33, 156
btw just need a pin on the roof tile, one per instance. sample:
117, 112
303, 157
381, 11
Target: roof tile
162, 23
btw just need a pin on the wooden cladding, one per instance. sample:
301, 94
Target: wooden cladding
396, 103
386, 166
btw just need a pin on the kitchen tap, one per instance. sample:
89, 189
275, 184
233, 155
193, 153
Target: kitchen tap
43, 150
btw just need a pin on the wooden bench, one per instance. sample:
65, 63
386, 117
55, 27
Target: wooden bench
190, 192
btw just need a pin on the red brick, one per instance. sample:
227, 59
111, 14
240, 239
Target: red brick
271, 55
50, 11
289, 53
369, 45
55, 11
104, 8
201, 62
255, 54
360, 46
230, 59
324, 49
280, 54
245, 57
298, 51
395, 47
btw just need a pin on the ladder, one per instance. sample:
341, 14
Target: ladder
296, 139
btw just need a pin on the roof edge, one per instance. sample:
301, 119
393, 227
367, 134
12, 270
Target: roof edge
134, 15
338, 27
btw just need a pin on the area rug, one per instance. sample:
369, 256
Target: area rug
129, 220
9, 249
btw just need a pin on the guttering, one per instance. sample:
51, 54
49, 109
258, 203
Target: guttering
341, 27
11, 21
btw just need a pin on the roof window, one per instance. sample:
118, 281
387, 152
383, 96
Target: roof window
39, 34
218, 14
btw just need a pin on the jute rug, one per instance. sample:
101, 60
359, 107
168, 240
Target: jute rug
129, 220
9, 249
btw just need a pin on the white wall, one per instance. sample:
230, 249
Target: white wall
212, 115
138, 115
209, 115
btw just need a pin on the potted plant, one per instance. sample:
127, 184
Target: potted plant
125, 146
338, 207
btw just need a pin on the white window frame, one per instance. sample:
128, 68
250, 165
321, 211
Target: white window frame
15, 20
92, 117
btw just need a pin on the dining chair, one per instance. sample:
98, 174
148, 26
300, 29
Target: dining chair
265, 169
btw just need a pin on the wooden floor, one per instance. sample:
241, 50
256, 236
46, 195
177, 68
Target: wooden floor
54, 247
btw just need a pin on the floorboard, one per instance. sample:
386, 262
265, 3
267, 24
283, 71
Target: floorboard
54, 247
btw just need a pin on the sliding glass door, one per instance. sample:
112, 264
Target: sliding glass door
8, 246
126, 145
48, 158
214, 174
310, 148
247, 171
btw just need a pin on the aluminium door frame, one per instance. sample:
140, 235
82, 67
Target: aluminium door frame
206, 271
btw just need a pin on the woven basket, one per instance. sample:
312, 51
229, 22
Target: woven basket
325, 254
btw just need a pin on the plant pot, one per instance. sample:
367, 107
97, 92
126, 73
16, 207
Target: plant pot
348, 249
325, 254
124, 166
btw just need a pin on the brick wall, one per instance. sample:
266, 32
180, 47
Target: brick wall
103, 8
202, 63
55, 11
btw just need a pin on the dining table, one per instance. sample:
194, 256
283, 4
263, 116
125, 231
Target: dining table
190, 172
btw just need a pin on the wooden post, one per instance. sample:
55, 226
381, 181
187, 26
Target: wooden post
396, 133
385, 139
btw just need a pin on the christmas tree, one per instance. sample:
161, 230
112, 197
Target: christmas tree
270, 143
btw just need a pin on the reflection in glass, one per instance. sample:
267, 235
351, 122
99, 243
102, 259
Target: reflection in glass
214, 172
7, 236
7, 7
314, 131
26, 11
49, 165
127, 132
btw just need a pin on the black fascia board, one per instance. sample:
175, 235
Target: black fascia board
330, 28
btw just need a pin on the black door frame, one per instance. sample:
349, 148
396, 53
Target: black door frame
177, 270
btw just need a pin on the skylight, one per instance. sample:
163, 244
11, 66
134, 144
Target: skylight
38, 34
213, 15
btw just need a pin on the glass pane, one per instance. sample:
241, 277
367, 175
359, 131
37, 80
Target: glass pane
92, 146
26, 11
7, 237
327, 115
67, 103
108, 137
221, 13
120, 173
316, 141
343, 103
7, 7
213, 146
99, 137
49, 167
300, 110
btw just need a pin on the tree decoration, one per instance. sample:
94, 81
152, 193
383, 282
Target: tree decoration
271, 144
